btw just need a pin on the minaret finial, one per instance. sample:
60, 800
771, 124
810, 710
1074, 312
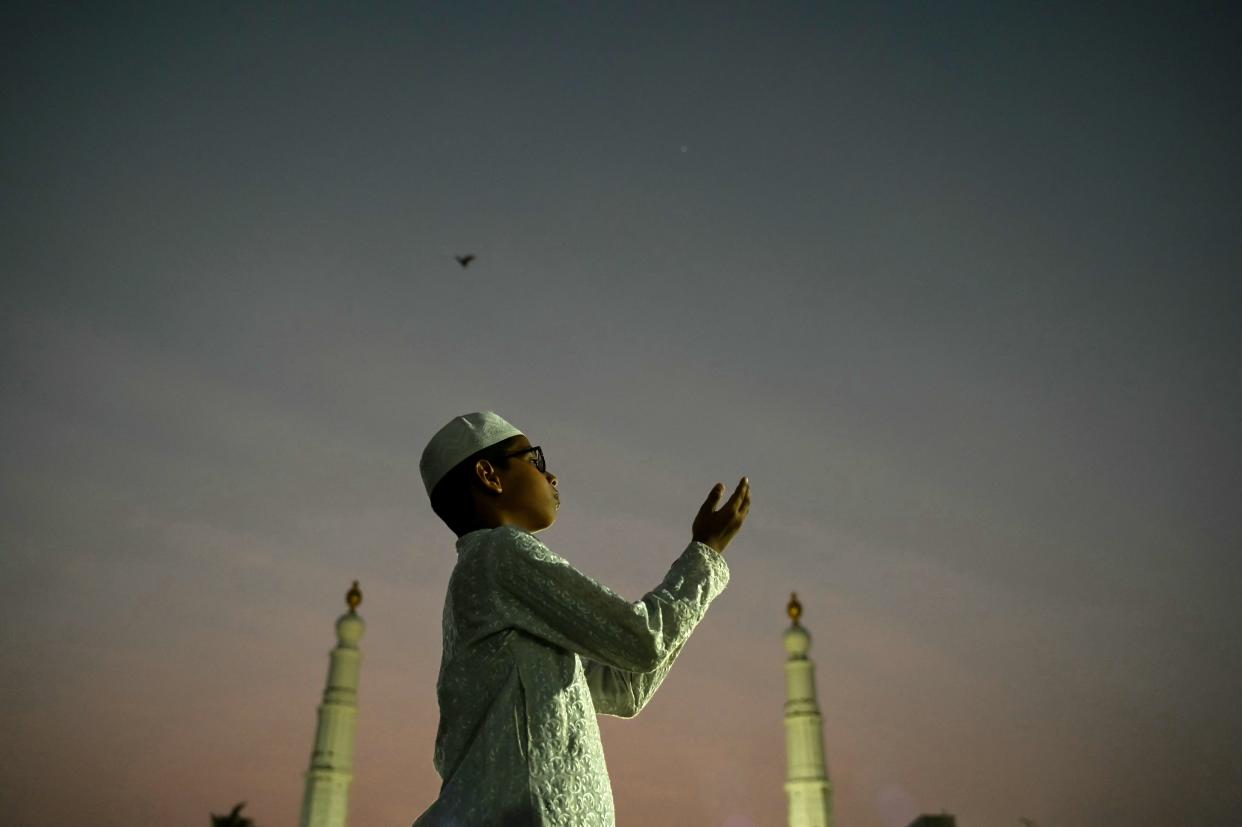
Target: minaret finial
794, 608
353, 598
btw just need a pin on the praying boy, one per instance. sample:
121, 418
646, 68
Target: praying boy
534, 649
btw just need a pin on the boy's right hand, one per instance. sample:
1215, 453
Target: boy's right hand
716, 527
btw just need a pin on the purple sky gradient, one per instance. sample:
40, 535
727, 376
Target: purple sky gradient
957, 286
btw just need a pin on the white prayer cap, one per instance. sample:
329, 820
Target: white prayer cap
462, 437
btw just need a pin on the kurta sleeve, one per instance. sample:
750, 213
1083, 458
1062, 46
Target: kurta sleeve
622, 693
630, 645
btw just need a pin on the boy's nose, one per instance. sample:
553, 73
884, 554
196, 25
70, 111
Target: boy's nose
552, 479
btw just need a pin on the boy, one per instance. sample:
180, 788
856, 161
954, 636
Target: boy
533, 649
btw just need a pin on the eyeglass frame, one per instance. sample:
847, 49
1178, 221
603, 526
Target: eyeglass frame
540, 461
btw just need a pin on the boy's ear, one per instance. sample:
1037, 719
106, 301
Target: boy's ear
487, 475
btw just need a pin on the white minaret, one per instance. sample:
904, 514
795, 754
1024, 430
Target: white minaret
326, 801
806, 782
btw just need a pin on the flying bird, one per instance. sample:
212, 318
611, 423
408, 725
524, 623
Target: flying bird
465, 260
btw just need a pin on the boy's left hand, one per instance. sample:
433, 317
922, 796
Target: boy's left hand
717, 527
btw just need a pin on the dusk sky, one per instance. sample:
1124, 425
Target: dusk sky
957, 285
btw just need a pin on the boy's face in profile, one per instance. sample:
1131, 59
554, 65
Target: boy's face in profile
528, 497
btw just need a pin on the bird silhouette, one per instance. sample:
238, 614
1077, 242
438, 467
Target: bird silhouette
465, 260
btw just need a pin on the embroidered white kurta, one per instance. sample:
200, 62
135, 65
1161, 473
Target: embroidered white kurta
533, 650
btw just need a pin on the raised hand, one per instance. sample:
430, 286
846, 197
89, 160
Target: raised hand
716, 527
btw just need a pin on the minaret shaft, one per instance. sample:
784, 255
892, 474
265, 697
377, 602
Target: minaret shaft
806, 781
325, 802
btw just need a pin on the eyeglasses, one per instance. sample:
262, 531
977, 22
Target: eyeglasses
539, 462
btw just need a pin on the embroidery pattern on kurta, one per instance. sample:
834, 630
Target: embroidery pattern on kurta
533, 651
